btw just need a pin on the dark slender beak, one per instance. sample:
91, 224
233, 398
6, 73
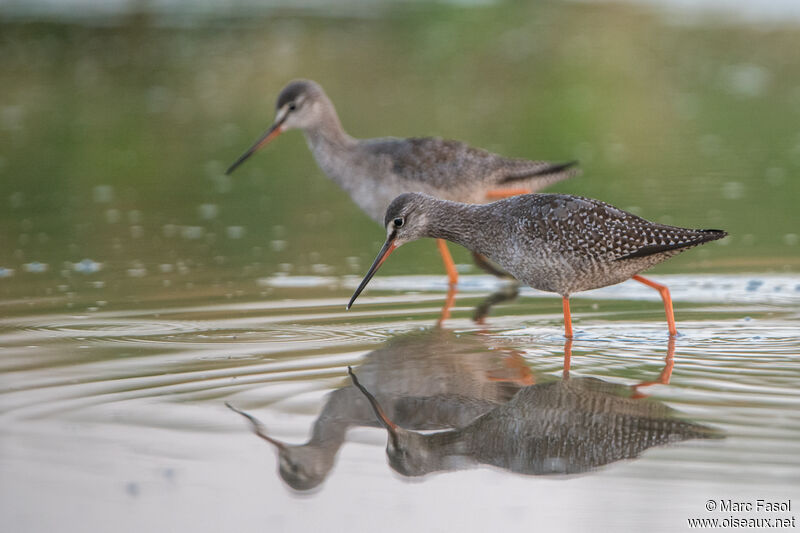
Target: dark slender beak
388, 247
258, 427
264, 140
388, 424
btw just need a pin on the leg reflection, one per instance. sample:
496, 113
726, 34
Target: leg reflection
567, 357
666, 372
504, 294
448, 304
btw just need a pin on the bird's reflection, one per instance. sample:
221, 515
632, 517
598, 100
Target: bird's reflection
425, 380
486, 406
563, 427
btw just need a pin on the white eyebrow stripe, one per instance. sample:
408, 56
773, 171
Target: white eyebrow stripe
281, 114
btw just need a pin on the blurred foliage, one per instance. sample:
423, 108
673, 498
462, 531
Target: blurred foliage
113, 139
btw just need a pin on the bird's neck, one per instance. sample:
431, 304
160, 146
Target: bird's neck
456, 222
328, 135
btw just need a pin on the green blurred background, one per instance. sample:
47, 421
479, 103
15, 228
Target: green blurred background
114, 135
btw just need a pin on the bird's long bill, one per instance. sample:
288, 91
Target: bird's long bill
264, 140
258, 427
376, 407
388, 247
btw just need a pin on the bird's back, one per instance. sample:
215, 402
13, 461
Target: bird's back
565, 244
453, 170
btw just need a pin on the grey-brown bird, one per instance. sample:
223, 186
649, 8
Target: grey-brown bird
551, 242
375, 171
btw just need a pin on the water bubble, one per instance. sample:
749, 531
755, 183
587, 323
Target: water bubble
732, 190
616, 152
169, 230
87, 266
11, 117
234, 232
322, 269
103, 194
208, 211
791, 239
113, 216
222, 183
214, 168
192, 232
775, 176
278, 246
137, 272
353, 263
746, 80
36, 267
15, 200
6, 272
753, 285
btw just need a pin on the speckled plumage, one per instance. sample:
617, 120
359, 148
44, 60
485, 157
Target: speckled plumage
552, 242
375, 171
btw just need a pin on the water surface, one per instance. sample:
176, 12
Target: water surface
118, 417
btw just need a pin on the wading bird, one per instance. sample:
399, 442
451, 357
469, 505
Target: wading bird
551, 242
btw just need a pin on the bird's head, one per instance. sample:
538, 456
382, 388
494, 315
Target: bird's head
300, 105
407, 219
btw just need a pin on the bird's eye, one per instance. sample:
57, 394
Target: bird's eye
398, 222
292, 106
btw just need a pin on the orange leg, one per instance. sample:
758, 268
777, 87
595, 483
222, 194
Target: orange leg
449, 264
664, 291
496, 194
448, 304
567, 318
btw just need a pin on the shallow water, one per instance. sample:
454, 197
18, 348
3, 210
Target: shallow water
117, 418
